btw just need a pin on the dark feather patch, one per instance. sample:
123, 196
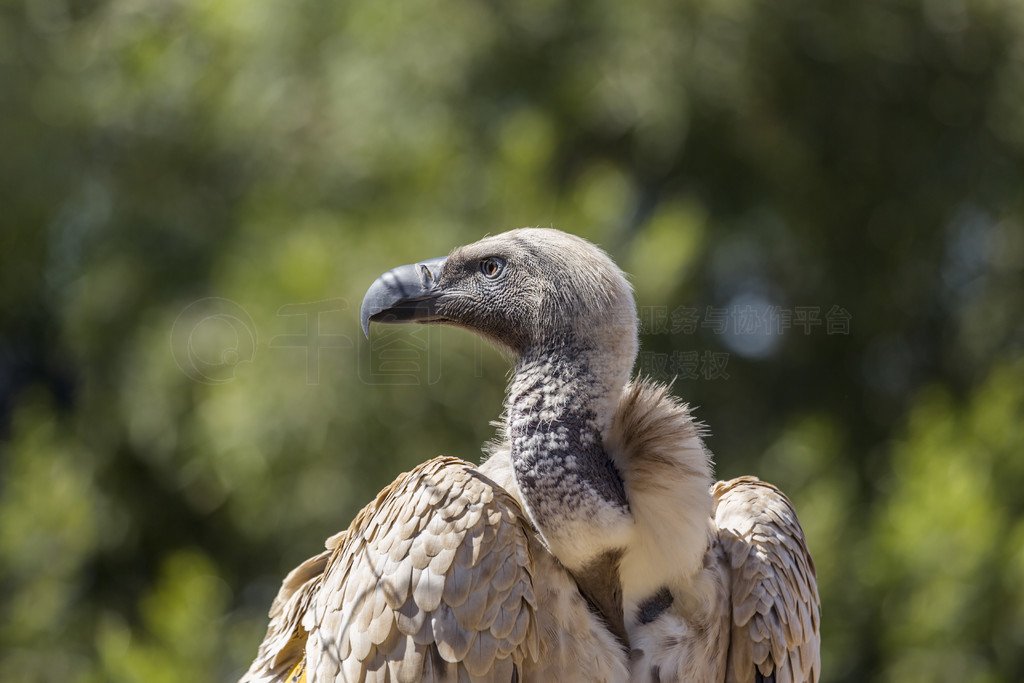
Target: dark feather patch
653, 607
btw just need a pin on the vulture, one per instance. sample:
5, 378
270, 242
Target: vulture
592, 544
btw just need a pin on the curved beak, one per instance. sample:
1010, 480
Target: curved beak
403, 294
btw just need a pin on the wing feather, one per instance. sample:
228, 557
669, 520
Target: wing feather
432, 581
284, 645
775, 606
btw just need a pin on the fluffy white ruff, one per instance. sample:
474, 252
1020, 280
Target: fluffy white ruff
656, 446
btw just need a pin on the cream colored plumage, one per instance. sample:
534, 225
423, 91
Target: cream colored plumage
774, 589
591, 545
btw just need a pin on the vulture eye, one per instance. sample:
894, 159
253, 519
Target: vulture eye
491, 267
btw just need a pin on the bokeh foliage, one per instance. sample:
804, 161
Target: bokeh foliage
182, 180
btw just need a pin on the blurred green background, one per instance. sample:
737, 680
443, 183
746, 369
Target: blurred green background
820, 205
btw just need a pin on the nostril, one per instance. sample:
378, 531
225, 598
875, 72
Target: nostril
426, 275
430, 272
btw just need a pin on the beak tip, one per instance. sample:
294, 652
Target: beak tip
366, 313
403, 294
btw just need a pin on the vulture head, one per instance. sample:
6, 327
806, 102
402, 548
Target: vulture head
533, 291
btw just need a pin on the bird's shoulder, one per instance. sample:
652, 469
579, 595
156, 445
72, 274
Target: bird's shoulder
432, 579
775, 605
